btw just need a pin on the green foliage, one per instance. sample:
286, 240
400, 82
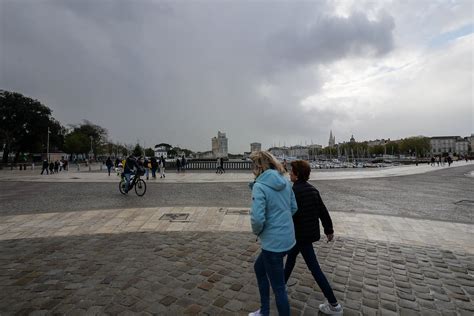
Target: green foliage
76, 143
168, 146
137, 150
24, 125
415, 145
172, 153
377, 150
149, 152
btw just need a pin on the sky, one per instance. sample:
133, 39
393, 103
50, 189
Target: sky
274, 72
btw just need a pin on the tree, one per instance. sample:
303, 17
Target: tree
415, 145
96, 132
24, 124
78, 140
138, 150
168, 146
149, 152
76, 143
377, 150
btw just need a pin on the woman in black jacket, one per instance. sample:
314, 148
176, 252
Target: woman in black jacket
306, 221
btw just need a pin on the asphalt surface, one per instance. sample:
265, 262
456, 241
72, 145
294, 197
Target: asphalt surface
446, 194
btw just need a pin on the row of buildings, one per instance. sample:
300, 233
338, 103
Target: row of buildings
439, 145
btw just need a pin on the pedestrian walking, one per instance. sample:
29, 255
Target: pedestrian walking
311, 210
154, 166
178, 165
162, 167
218, 165
56, 166
146, 165
273, 204
51, 167
45, 167
109, 164
222, 165
183, 163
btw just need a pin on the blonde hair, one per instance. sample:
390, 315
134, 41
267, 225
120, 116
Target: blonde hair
264, 160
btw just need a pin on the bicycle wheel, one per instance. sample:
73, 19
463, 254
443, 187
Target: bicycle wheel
122, 185
140, 187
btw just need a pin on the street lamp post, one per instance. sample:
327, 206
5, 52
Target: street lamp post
47, 146
90, 154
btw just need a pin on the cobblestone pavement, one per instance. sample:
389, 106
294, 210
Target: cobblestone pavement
210, 273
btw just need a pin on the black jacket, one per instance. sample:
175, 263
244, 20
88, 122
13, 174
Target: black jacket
310, 209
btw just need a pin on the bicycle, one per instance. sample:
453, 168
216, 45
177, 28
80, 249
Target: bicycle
135, 181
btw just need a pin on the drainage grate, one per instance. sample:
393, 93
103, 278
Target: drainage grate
175, 216
237, 212
465, 202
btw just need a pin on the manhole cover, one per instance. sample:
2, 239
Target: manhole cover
175, 216
465, 202
237, 212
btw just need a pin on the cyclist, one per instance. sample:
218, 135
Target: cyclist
131, 165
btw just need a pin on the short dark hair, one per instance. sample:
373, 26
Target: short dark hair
301, 169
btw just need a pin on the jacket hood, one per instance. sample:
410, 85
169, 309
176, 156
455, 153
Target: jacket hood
272, 179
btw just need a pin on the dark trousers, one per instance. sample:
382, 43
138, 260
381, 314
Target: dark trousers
309, 257
47, 172
269, 271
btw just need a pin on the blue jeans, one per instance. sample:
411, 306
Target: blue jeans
269, 270
127, 180
309, 257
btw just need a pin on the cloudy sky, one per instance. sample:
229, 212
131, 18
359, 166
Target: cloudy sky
275, 72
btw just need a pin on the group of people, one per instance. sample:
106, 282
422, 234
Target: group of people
181, 164
54, 167
441, 160
132, 165
286, 219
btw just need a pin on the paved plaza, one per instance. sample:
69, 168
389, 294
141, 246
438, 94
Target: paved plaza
197, 259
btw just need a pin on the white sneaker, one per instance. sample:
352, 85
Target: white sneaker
256, 313
328, 309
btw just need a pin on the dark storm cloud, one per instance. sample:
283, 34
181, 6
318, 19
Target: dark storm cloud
330, 38
176, 71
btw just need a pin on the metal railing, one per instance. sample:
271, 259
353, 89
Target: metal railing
212, 165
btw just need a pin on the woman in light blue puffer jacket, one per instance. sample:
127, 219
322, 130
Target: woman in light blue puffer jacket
273, 205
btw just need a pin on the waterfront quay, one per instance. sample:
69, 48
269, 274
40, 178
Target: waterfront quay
71, 244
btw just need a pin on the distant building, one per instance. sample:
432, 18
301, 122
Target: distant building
205, 155
377, 142
449, 145
255, 147
161, 151
279, 152
352, 139
462, 146
472, 143
332, 140
219, 145
299, 152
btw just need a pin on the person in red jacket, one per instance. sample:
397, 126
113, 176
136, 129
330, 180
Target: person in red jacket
311, 209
